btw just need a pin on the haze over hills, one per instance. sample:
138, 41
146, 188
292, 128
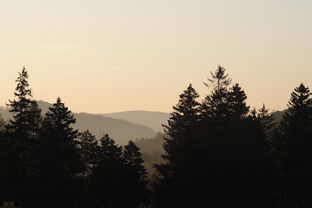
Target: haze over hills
120, 130
151, 119
121, 126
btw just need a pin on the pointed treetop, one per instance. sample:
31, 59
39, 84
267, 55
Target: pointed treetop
300, 96
219, 78
60, 118
237, 98
22, 89
299, 110
187, 100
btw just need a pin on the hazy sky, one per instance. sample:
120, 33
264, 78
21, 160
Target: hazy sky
103, 56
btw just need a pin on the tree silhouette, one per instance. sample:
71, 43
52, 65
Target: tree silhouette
107, 177
268, 122
89, 148
60, 162
237, 100
173, 188
20, 143
295, 132
215, 105
135, 186
231, 149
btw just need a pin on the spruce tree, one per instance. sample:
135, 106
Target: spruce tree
21, 144
215, 105
60, 162
237, 100
268, 122
174, 182
107, 178
231, 148
26, 114
136, 193
89, 148
294, 135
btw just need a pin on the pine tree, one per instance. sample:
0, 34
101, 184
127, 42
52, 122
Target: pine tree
89, 148
136, 177
215, 105
26, 114
231, 149
296, 149
21, 144
268, 122
237, 99
60, 162
107, 178
174, 185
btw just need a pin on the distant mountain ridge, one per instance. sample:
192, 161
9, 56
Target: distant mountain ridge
120, 130
151, 119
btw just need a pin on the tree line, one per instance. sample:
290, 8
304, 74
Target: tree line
46, 163
218, 152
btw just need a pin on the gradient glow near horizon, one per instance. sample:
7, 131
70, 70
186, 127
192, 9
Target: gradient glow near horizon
106, 56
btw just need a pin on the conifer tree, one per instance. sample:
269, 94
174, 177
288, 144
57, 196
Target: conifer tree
296, 149
89, 148
60, 162
136, 177
237, 100
268, 122
215, 105
26, 114
232, 148
106, 180
173, 187
21, 143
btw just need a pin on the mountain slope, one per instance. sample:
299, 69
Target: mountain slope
150, 119
120, 130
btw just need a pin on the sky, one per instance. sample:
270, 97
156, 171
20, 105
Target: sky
104, 56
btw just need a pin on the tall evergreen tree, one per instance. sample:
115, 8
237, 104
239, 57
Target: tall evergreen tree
237, 100
215, 105
136, 193
268, 122
174, 182
107, 178
232, 148
20, 145
60, 162
89, 148
26, 114
296, 149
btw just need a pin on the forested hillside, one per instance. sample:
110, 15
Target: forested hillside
99, 125
215, 152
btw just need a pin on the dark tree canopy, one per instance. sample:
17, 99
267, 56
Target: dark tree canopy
60, 162
26, 114
19, 143
296, 149
180, 134
215, 104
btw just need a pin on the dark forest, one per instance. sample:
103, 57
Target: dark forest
218, 152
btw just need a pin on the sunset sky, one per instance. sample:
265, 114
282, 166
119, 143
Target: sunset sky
105, 56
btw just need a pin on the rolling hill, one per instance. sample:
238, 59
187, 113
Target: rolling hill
151, 119
120, 130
